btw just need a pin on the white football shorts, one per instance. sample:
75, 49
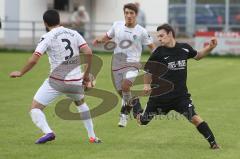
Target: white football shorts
129, 73
48, 92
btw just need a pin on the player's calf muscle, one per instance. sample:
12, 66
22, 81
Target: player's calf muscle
126, 85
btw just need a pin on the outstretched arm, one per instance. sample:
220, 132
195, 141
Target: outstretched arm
151, 47
32, 61
101, 39
88, 55
206, 50
147, 83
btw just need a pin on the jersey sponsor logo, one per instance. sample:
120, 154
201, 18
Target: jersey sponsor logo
74, 61
177, 65
185, 49
128, 31
134, 37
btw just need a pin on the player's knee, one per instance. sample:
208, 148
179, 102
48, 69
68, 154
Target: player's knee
126, 84
196, 120
36, 105
125, 88
79, 102
190, 114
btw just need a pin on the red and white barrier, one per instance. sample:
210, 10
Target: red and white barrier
228, 42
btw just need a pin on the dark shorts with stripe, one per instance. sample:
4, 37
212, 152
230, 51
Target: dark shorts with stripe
182, 105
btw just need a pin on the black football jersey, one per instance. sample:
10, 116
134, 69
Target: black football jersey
175, 59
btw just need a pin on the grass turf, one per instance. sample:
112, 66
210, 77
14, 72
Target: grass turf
213, 83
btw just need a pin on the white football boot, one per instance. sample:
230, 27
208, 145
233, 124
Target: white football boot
123, 120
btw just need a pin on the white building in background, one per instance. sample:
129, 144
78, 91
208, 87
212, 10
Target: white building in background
17, 20
19, 16
2, 14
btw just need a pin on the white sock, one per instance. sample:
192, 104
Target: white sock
126, 97
123, 102
87, 120
40, 121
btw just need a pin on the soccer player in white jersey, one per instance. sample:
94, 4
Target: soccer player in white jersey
129, 38
61, 45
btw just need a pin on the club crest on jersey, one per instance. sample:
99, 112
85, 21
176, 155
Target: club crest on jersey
134, 37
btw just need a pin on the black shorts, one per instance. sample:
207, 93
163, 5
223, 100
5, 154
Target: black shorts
181, 105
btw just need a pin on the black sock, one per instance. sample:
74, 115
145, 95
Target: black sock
137, 108
204, 129
126, 109
123, 110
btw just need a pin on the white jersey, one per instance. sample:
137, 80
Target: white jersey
129, 42
62, 45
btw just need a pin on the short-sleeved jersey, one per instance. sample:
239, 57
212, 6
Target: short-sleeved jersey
129, 42
176, 60
62, 45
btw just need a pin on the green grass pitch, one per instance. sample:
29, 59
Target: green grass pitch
213, 83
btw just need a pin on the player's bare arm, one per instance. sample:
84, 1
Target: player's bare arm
151, 47
206, 50
32, 61
101, 39
88, 52
147, 83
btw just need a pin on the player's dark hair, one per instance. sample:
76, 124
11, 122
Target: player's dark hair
168, 28
51, 17
131, 6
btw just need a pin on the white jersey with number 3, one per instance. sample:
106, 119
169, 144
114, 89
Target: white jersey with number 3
129, 42
62, 45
